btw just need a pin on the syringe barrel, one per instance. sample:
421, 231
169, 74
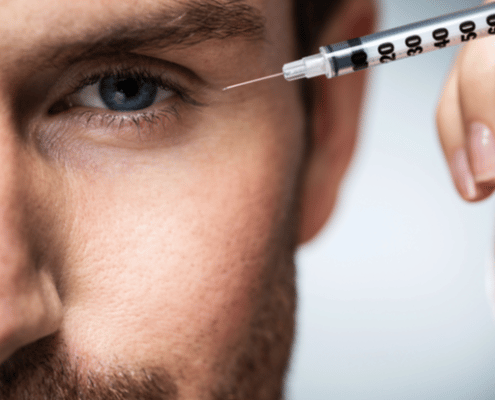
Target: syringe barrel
395, 44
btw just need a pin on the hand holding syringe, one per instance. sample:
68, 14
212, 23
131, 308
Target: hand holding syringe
466, 113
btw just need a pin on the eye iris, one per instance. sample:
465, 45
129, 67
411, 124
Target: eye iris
130, 93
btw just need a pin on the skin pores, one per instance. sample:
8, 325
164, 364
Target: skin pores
176, 252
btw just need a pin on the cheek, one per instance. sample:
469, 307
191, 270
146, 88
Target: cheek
166, 263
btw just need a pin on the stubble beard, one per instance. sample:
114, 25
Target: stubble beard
43, 370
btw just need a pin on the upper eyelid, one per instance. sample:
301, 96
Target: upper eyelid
132, 60
164, 79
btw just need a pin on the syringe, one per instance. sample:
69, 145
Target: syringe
391, 45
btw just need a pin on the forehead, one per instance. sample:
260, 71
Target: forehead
42, 28
22, 18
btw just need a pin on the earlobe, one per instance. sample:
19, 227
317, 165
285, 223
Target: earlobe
335, 121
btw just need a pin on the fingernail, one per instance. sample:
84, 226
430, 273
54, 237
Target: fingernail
463, 178
481, 146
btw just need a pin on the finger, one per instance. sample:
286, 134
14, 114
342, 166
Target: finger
450, 128
476, 91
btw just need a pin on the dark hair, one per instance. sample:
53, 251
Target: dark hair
310, 16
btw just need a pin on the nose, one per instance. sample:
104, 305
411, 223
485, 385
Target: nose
30, 307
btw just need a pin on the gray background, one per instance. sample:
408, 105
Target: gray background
393, 295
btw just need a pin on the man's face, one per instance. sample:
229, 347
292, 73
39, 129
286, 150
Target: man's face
156, 209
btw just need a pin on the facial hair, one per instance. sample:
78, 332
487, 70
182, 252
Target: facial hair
44, 370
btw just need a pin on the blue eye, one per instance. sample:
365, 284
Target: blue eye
127, 94
121, 93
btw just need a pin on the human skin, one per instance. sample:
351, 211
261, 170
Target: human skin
135, 251
465, 120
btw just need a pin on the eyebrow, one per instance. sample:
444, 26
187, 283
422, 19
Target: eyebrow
181, 25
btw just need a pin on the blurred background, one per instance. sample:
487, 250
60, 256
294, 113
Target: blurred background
393, 294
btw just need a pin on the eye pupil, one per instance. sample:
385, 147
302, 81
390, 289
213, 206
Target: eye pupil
129, 93
129, 87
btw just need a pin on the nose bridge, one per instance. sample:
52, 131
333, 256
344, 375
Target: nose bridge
14, 255
29, 304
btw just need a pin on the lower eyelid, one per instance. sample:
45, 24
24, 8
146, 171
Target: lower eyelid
140, 127
140, 130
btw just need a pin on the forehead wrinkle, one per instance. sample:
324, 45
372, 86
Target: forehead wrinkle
181, 25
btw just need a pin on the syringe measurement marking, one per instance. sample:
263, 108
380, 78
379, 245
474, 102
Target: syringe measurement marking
359, 57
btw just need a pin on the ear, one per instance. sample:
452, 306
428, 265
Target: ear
335, 120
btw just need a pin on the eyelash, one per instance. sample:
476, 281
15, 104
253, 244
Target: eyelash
109, 118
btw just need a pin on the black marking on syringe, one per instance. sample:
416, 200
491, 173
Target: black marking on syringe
356, 60
354, 42
329, 49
